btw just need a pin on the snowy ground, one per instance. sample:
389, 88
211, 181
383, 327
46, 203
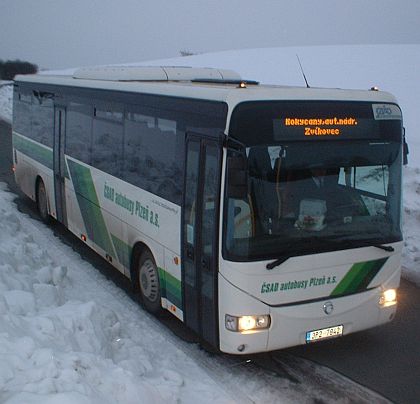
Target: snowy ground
61, 343
68, 335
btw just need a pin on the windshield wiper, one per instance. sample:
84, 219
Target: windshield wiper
284, 258
384, 247
277, 262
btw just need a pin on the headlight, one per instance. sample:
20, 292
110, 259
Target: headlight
247, 323
388, 298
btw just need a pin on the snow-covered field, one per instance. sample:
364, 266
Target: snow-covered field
68, 335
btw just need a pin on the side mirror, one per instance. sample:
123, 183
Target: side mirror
237, 177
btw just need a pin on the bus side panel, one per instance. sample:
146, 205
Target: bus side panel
115, 216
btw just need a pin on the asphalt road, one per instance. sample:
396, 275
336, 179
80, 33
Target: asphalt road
385, 359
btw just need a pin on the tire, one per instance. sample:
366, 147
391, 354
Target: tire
148, 283
41, 201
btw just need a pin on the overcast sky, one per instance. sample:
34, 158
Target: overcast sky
67, 33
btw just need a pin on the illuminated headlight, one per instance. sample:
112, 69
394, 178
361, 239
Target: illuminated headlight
388, 298
247, 323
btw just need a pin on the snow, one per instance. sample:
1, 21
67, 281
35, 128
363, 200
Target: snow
68, 335
59, 342
6, 100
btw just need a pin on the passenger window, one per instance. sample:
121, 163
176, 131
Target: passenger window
78, 132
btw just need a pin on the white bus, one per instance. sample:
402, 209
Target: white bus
262, 217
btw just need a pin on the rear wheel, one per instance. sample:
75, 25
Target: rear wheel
41, 201
148, 280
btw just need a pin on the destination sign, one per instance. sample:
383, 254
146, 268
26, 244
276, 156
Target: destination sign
321, 126
270, 122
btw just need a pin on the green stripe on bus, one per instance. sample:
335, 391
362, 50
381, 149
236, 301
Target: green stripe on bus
33, 150
123, 251
89, 206
170, 287
358, 277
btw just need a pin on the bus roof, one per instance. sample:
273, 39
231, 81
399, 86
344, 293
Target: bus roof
199, 83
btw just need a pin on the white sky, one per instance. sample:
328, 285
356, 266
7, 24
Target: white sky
63, 33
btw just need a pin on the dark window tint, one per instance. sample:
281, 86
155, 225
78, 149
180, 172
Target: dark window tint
108, 139
34, 116
154, 141
153, 154
43, 119
79, 128
22, 113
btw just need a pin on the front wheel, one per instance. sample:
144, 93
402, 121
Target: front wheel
148, 279
41, 201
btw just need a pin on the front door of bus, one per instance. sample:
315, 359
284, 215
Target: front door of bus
59, 163
200, 225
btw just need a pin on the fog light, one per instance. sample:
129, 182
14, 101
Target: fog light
388, 298
247, 323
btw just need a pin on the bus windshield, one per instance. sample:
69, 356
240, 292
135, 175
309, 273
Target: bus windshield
335, 188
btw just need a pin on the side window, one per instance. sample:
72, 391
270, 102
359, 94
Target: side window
22, 113
43, 119
108, 139
151, 155
79, 131
371, 182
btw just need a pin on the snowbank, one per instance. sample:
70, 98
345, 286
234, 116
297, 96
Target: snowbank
6, 101
59, 343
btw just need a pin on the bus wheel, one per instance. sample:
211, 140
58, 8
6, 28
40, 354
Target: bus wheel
148, 279
41, 201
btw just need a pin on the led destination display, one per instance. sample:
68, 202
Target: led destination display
320, 126
271, 122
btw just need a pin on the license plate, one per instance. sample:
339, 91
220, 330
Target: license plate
324, 333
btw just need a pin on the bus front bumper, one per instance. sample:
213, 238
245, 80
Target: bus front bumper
293, 325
